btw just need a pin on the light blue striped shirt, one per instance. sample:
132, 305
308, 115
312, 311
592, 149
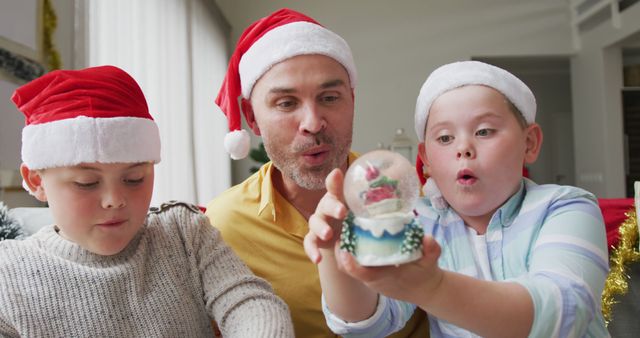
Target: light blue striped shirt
551, 239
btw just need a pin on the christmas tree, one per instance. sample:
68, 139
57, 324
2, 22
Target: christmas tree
348, 237
9, 228
412, 238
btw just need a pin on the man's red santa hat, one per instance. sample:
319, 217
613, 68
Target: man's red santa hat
92, 115
270, 40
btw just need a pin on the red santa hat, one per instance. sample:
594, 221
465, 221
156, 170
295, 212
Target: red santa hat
92, 115
458, 74
270, 40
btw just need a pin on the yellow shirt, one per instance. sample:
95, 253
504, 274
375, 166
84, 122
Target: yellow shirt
266, 231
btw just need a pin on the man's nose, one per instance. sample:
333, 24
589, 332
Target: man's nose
313, 121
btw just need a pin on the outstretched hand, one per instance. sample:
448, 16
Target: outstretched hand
411, 282
326, 222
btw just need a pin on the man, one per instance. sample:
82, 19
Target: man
296, 81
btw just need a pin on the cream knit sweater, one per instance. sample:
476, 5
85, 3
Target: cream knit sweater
170, 281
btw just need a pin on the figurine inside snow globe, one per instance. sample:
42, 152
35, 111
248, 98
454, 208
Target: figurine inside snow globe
381, 189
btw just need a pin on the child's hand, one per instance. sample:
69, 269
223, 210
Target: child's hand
411, 282
326, 222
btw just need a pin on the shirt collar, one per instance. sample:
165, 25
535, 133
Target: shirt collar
510, 210
267, 205
266, 192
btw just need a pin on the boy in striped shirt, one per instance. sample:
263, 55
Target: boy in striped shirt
503, 256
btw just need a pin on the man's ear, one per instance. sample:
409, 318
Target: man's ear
533, 143
33, 180
247, 109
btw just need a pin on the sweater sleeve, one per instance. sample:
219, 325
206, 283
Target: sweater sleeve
6, 328
568, 267
390, 316
242, 304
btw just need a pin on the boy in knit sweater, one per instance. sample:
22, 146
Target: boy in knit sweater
503, 256
109, 267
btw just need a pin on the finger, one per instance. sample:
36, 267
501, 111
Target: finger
347, 263
310, 244
350, 265
334, 183
319, 227
331, 207
430, 251
430, 247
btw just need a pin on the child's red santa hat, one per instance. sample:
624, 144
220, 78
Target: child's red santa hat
458, 74
92, 115
270, 40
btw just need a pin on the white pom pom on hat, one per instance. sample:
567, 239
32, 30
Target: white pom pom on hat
237, 144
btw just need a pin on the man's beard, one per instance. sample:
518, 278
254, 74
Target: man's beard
309, 178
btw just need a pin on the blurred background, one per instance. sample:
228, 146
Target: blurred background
581, 58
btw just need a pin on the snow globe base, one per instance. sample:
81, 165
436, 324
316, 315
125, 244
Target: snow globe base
390, 240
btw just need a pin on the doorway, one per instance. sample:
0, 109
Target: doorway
549, 77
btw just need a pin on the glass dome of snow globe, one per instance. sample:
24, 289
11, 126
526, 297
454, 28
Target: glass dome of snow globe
379, 183
381, 189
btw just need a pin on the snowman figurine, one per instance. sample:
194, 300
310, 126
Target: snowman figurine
381, 189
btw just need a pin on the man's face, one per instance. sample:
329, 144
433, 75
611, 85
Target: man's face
303, 109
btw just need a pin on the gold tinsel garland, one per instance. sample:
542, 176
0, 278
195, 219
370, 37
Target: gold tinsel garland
621, 257
49, 24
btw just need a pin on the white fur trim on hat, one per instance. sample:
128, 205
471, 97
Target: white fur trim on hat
237, 144
287, 41
432, 192
458, 74
84, 139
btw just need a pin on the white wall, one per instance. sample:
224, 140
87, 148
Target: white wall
397, 44
596, 85
12, 121
550, 79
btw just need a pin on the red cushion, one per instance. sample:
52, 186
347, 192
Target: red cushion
613, 211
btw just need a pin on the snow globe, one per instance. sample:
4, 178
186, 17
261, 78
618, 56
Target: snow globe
381, 189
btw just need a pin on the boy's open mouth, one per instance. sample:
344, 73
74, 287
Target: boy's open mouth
466, 177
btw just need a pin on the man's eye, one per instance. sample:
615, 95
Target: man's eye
286, 104
330, 98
